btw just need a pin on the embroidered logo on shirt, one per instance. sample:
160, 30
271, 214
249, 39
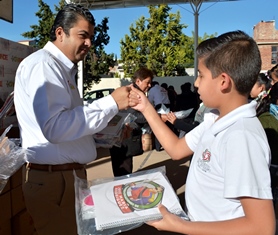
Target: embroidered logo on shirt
71, 85
206, 155
203, 162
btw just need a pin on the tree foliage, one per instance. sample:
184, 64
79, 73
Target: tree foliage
40, 32
96, 63
159, 43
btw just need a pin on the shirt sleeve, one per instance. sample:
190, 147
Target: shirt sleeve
58, 109
246, 166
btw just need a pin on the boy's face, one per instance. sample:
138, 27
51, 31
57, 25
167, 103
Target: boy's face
207, 86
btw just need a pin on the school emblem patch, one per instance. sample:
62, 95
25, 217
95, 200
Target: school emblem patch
206, 155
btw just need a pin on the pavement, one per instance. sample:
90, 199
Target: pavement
176, 171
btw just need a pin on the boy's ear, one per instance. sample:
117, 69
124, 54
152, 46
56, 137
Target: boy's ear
225, 82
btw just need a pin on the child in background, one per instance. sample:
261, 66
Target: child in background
273, 73
228, 185
265, 103
261, 87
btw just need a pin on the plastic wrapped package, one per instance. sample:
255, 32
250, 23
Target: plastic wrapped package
183, 113
114, 205
112, 135
12, 157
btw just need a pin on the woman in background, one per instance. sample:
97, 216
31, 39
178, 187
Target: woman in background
122, 164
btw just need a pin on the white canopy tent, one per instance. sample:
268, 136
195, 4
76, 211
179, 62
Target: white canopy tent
112, 4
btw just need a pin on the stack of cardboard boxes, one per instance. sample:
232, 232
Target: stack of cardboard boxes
14, 218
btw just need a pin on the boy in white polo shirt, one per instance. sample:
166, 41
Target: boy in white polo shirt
228, 185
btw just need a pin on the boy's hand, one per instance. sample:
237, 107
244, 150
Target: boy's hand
137, 99
169, 221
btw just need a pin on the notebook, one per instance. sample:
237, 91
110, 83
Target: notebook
133, 200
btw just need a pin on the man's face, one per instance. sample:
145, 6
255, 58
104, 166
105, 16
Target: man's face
77, 44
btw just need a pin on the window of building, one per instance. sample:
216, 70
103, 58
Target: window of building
274, 55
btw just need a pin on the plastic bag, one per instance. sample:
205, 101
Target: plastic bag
163, 109
12, 157
110, 136
116, 216
183, 113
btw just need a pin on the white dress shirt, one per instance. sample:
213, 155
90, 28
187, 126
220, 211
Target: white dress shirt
52, 119
158, 95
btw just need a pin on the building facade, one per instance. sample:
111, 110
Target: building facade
266, 36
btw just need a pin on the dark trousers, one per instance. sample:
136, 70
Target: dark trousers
121, 165
156, 142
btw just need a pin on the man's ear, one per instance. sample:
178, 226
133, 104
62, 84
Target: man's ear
226, 82
59, 34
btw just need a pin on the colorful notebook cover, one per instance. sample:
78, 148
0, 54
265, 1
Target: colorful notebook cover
133, 200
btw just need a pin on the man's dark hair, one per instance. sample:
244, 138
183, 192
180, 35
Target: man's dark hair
234, 53
68, 16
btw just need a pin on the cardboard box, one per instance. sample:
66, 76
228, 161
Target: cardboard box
16, 178
7, 186
5, 227
5, 205
17, 200
22, 224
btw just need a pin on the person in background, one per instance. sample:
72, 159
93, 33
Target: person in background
164, 85
261, 87
266, 97
187, 99
121, 163
158, 96
55, 124
228, 187
172, 94
273, 74
187, 124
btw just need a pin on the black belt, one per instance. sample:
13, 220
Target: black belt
61, 167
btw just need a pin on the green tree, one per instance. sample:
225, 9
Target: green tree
158, 43
96, 63
40, 32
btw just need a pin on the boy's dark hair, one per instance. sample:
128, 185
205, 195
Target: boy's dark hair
68, 16
234, 53
142, 73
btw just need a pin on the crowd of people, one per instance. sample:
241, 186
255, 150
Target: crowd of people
233, 140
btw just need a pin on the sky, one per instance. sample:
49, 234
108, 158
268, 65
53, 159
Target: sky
219, 17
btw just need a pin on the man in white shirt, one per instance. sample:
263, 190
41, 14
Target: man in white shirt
54, 123
158, 95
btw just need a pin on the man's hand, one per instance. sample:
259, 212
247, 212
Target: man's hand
120, 95
137, 99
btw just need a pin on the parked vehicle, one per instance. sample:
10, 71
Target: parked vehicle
91, 96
